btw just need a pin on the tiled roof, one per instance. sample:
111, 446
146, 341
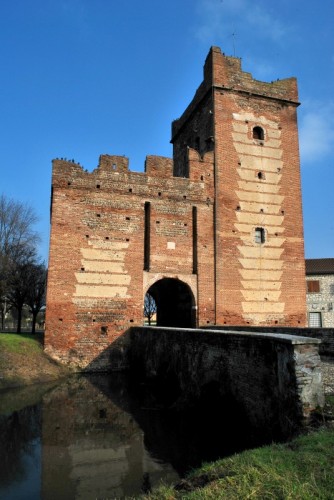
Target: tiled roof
319, 266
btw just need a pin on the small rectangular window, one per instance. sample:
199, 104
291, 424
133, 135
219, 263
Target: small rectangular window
315, 320
259, 235
313, 286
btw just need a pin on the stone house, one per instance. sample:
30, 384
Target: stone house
320, 292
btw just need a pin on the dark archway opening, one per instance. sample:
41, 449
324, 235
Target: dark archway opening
175, 303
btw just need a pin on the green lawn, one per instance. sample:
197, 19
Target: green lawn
19, 343
302, 469
23, 361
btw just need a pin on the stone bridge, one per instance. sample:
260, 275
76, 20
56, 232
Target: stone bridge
273, 379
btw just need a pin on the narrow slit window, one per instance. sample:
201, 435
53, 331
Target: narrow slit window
197, 144
147, 217
259, 235
195, 260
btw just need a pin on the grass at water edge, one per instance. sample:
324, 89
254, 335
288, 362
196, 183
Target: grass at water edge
300, 469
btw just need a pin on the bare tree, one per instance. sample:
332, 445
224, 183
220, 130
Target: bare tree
19, 274
17, 222
18, 241
4, 269
4, 306
150, 308
36, 291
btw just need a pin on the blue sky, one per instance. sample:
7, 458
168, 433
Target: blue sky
80, 78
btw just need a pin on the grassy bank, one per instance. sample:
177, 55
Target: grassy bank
23, 361
302, 469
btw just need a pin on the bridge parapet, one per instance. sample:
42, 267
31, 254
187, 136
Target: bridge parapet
275, 379
325, 335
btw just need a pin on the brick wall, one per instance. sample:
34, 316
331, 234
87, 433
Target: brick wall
96, 278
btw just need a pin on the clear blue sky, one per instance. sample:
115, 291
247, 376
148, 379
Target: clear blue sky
80, 78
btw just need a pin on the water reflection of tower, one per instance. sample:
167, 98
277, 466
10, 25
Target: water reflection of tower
91, 447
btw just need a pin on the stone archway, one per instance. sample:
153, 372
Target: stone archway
175, 303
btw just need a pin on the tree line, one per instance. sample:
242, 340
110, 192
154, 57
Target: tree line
22, 273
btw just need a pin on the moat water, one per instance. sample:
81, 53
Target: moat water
100, 437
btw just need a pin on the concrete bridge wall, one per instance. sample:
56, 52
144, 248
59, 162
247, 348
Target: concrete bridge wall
274, 379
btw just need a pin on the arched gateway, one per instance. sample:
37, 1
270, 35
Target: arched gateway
175, 303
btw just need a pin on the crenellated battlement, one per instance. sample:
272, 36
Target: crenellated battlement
224, 74
113, 168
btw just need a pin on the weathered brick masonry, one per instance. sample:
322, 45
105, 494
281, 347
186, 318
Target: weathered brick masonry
215, 235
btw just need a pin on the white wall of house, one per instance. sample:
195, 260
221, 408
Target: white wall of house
320, 300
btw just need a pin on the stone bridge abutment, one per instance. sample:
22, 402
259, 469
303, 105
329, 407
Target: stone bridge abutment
274, 380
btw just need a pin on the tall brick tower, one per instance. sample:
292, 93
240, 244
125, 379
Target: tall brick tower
215, 235
251, 127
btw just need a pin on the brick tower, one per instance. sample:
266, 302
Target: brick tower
214, 236
259, 250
